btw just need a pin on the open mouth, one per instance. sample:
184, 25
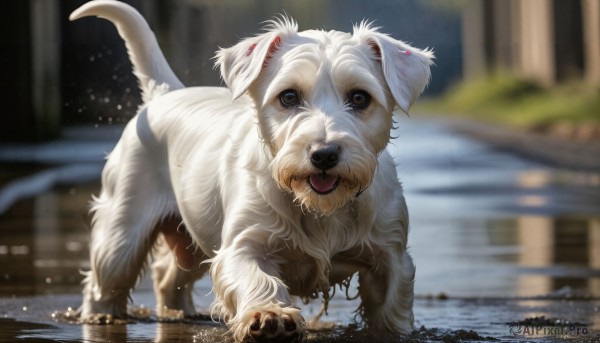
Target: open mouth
323, 183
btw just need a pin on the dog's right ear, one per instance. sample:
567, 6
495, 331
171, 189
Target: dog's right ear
241, 64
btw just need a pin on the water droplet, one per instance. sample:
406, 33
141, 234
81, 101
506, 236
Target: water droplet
92, 97
115, 77
48, 280
106, 100
92, 58
119, 107
24, 308
100, 118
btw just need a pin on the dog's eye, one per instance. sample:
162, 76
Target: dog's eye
289, 98
359, 100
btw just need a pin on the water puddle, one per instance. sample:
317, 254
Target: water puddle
506, 249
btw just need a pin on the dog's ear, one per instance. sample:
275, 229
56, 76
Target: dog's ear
241, 64
406, 69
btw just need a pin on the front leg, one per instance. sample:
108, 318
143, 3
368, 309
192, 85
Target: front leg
250, 296
387, 293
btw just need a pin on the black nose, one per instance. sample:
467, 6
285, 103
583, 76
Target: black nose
325, 156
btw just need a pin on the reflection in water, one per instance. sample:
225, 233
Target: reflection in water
594, 253
157, 332
484, 225
524, 256
104, 333
560, 254
535, 251
43, 242
558, 191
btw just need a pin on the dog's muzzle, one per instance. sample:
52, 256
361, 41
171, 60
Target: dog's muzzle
324, 157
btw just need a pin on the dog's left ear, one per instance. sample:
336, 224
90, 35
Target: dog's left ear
241, 64
406, 69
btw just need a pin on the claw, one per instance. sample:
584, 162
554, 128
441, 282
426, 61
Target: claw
256, 325
289, 324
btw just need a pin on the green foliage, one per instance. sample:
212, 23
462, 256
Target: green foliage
506, 99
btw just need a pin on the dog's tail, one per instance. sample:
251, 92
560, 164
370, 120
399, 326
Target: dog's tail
149, 64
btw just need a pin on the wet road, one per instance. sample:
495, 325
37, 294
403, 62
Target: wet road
497, 240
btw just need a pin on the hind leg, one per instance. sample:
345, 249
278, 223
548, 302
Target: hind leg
125, 213
177, 264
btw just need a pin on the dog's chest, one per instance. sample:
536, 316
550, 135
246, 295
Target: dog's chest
306, 275
316, 266
301, 273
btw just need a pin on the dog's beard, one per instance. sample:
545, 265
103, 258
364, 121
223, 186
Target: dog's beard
324, 192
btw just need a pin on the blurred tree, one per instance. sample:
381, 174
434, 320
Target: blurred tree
31, 96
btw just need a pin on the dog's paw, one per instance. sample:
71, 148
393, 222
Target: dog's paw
275, 325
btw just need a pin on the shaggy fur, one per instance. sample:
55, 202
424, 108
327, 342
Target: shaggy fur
230, 173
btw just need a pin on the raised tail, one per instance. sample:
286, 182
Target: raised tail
155, 76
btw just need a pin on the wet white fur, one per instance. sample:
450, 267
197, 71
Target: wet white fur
233, 164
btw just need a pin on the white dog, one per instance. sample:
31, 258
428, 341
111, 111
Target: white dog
279, 185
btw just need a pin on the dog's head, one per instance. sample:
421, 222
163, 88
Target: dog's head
324, 103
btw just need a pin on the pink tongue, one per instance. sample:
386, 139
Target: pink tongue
322, 183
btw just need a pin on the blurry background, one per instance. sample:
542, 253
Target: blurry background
78, 72
62, 73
